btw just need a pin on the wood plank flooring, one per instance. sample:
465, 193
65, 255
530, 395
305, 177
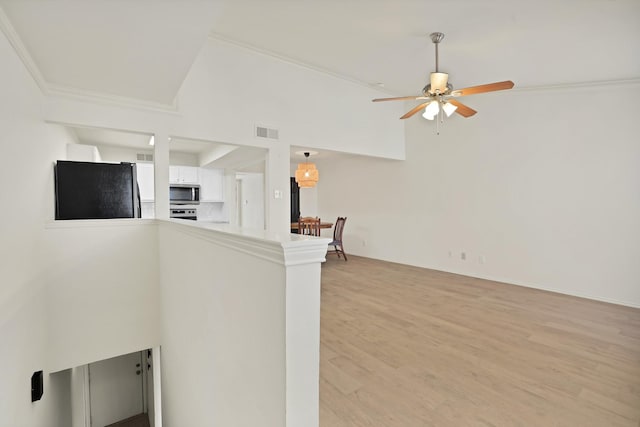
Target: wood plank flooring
405, 346
140, 420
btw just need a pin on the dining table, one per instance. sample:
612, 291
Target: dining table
294, 225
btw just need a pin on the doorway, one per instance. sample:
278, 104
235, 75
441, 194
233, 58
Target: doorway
121, 391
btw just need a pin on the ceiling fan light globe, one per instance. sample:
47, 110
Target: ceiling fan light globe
432, 108
449, 108
428, 116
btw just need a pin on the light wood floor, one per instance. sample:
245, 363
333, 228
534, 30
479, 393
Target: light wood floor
404, 346
140, 420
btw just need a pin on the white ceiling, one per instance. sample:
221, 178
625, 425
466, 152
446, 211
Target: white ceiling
143, 49
533, 43
239, 158
133, 49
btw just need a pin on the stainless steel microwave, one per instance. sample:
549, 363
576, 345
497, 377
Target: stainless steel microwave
184, 194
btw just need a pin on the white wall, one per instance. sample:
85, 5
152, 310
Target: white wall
113, 154
102, 290
183, 159
223, 337
240, 327
27, 149
542, 184
54, 279
309, 202
83, 153
231, 89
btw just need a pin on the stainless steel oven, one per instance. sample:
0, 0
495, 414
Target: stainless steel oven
184, 194
184, 213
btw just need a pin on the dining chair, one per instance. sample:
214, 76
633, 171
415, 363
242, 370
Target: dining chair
309, 225
337, 237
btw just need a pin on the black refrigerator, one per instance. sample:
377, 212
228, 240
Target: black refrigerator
86, 190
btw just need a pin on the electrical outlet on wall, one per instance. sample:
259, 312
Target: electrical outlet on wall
463, 256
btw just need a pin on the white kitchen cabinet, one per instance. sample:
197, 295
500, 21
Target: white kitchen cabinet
145, 181
183, 175
211, 185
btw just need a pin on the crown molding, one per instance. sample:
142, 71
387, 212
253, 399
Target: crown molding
21, 51
294, 61
579, 85
59, 91
53, 90
319, 69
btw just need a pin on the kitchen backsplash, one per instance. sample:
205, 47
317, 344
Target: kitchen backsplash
207, 211
212, 211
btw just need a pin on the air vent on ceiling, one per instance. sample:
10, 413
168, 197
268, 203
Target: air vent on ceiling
142, 157
264, 132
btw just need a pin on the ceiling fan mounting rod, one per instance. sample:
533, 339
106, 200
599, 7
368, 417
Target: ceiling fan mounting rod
436, 38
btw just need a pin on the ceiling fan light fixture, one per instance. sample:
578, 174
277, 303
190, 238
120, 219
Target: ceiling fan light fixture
431, 110
439, 82
449, 108
435, 93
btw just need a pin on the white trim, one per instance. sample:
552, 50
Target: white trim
21, 51
55, 90
292, 61
144, 373
579, 85
50, 89
289, 250
86, 396
319, 69
157, 389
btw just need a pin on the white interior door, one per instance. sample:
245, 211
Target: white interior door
251, 203
115, 387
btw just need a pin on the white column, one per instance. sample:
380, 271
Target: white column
278, 198
161, 174
303, 268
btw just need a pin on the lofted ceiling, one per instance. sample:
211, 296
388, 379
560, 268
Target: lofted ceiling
143, 49
139, 50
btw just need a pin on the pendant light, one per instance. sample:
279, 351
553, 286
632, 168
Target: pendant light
306, 174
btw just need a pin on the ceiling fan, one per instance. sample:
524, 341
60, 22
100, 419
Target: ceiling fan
439, 94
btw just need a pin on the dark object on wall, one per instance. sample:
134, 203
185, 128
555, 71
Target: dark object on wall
37, 387
86, 190
295, 200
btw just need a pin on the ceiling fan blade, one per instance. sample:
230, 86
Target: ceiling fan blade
490, 87
414, 110
400, 98
462, 109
